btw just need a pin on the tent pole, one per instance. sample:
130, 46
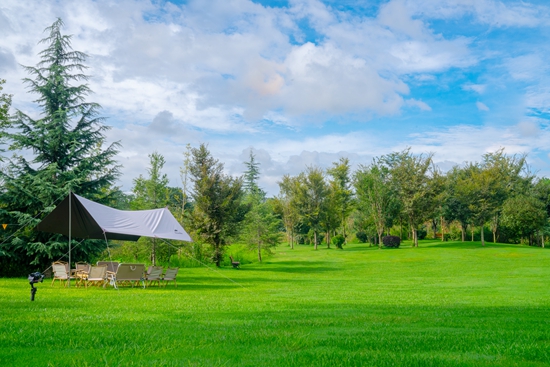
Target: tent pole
70, 227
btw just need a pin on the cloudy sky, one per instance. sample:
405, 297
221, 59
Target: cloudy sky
302, 82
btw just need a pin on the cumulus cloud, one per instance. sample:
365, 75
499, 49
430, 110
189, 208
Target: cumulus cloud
239, 74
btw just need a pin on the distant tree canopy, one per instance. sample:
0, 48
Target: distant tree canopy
59, 152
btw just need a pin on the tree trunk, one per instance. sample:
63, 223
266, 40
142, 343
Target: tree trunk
328, 239
415, 237
472, 233
315, 239
259, 252
442, 231
542, 240
463, 230
482, 236
379, 240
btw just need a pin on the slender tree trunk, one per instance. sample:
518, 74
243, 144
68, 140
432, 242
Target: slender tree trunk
315, 239
259, 252
379, 239
463, 230
472, 233
442, 229
542, 240
482, 236
328, 239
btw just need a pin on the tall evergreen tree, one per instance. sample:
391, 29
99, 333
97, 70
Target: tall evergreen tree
261, 227
58, 152
5, 103
218, 209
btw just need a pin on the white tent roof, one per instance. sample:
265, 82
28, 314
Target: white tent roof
92, 220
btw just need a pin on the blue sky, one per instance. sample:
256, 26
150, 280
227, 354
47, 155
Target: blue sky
302, 82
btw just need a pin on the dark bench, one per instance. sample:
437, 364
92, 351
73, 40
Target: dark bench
235, 264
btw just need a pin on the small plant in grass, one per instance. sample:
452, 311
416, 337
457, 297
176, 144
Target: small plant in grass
391, 241
338, 241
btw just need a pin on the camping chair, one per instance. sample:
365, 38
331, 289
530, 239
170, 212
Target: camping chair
61, 272
170, 276
82, 267
234, 263
130, 274
112, 267
154, 274
96, 276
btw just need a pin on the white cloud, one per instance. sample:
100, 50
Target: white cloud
478, 88
492, 12
528, 128
482, 106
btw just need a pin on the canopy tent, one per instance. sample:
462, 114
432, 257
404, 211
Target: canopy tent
78, 217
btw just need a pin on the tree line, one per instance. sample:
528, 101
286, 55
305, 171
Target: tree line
401, 193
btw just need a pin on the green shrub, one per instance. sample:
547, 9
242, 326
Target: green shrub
391, 241
338, 240
421, 233
362, 236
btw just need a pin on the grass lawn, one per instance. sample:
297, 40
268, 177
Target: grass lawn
442, 304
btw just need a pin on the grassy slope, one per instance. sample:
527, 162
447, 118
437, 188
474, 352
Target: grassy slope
449, 304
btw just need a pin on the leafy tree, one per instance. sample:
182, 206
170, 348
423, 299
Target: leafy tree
262, 227
311, 199
286, 204
457, 202
218, 208
525, 215
152, 193
410, 180
59, 152
342, 188
511, 179
375, 195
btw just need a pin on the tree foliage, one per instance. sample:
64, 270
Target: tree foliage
58, 152
218, 202
152, 193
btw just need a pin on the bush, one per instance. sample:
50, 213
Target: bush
338, 240
421, 233
391, 241
362, 236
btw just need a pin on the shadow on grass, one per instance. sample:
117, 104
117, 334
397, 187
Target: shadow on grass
470, 245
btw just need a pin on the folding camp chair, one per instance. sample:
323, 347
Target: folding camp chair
96, 276
61, 272
154, 274
130, 274
170, 276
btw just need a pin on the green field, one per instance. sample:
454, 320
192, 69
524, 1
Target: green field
442, 304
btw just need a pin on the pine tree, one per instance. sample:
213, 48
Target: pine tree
218, 210
58, 152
